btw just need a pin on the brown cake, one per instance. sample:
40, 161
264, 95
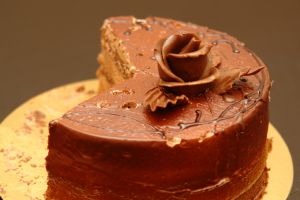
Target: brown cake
184, 116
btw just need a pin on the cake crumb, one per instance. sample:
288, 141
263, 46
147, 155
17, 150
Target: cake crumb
91, 92
102, 104
26, 159
270, 144
33, 165
2, 191
80, 88
129, 105
124, 91
172, 142
132, 69
37, 117
26, 128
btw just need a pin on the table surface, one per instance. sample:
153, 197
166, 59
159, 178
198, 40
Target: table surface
44, 44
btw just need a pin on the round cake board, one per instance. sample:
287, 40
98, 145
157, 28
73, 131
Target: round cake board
24, 139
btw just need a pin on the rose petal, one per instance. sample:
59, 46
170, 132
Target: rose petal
189, 66
176, 43
192, 87
181, 58
193, 45
214, 61
163, 68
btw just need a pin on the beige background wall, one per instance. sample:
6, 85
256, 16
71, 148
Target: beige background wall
44, 44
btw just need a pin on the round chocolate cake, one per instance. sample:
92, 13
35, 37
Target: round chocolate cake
182, 114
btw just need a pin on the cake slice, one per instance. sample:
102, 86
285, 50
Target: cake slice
114, 146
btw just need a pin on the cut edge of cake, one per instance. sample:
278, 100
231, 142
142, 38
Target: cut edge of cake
115, 65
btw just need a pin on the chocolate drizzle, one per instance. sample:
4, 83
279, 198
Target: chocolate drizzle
250, 99
245, 104
222, 40
127, 32
198, 115
232, 45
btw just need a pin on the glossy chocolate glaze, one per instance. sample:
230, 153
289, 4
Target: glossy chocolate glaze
113, 137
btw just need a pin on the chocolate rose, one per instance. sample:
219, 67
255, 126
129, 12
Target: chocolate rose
185, 65
187, 68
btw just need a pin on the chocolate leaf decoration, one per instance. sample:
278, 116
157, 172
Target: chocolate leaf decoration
225, 80
226, 77
251, 71
157, 98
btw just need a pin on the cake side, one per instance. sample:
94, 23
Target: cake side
115, 65
112, 137
153, 168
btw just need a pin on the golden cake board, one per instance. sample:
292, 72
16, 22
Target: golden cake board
24, 138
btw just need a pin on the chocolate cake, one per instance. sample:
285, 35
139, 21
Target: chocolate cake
182, 114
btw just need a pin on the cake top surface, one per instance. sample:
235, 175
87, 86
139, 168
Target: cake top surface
119, 112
